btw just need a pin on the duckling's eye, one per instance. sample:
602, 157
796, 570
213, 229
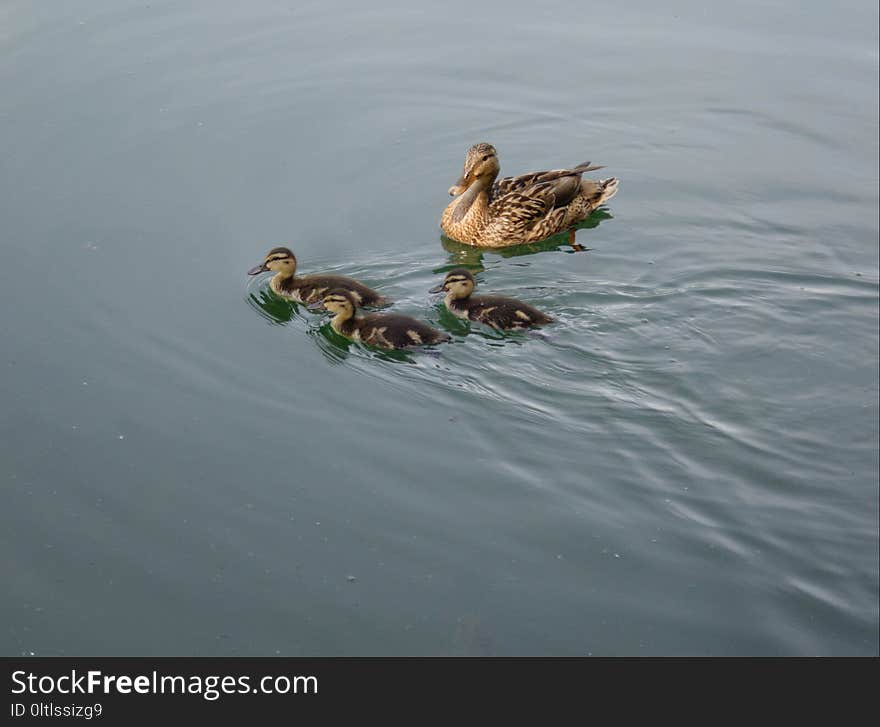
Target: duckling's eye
486, 157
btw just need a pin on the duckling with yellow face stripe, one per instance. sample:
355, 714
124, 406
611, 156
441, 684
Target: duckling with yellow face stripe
493, 310
385, 330
310, 288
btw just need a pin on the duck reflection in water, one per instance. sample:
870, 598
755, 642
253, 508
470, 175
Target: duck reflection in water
471, 257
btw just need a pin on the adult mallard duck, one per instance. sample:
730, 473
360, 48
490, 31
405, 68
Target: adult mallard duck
514, 210
384, 330
494, 310
310, 288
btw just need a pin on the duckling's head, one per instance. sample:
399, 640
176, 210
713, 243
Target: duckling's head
459, 283
481, 162
340, 303
279, 259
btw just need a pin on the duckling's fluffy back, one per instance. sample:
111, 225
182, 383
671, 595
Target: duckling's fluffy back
392, 330
500, 312
312, 288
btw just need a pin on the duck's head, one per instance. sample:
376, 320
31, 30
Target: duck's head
481, 162
459, 282
340, 303
279, 259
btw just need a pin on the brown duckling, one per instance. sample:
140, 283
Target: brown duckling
493, 310
491, 212
385, 330
310, 288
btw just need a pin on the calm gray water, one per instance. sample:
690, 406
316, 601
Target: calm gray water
686, 463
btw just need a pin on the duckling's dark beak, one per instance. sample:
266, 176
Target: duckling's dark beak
258, 269
438, 288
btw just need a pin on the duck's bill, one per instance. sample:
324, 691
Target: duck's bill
437, 289
458, 188
258, 269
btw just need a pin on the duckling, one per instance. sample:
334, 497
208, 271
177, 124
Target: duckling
493, 310
310, 288
385, 330
517, 210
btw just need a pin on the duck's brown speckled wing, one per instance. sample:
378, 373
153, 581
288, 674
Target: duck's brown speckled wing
523, 182
538, 210
518, 211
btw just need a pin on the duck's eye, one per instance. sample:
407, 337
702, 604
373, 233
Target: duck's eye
486, 157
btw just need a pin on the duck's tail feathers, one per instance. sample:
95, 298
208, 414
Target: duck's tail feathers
609, 189
587, 167
599, 191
